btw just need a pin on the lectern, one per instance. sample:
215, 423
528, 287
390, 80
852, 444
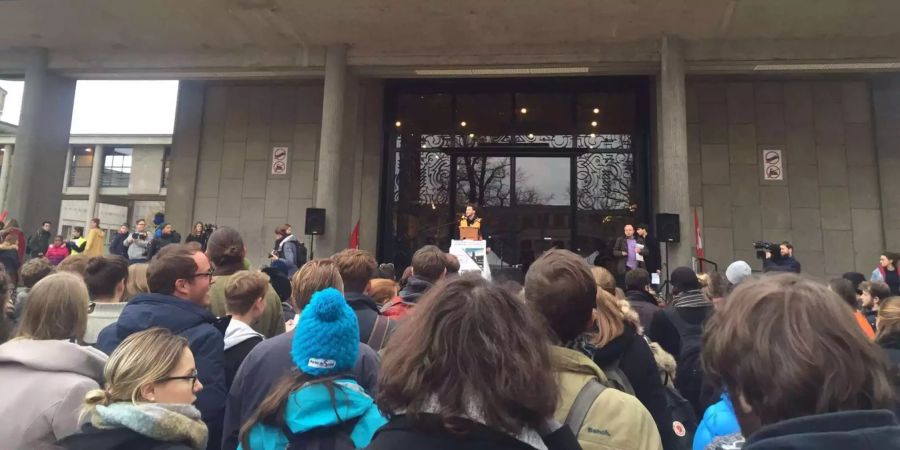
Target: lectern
470, 233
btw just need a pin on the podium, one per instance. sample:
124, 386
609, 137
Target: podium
469, 233
472, 256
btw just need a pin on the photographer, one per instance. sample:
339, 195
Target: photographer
138, 243
783, 261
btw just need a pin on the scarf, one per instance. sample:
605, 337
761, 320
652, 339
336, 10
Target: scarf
691, 299
162, 422
529, 436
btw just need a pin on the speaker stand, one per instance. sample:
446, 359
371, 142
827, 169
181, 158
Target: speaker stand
667, 272
312, 246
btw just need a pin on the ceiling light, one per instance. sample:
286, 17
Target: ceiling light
596, 110
594, 123
424, 145
593, 135
530, 136
471, 135
88, 149
463, 124
503, 71
398, 123
524, 110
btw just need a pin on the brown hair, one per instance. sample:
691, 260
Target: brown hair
560, 287
137, 280
382, 290
56, 309
768, 345
357, 267
716, 286
471, 359
844, 289
452, 264
429, 263
604, 279
167, 268
888, 318
225, 247
74, 264
35, 270
103, 274
877, 289
282, 229
314, 276
244, 289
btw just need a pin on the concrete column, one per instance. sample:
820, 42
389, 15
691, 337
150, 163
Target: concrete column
4, 174
186, 138
35, 181
673, 156
96, 173
67, 173
328, 172
886, 109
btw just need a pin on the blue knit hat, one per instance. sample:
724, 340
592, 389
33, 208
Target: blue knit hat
326, 341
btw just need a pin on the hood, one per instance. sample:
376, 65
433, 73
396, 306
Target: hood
416, 285
833, 431
238, 332
55, 356
568, 360
358, 301
159, 310
640, 296
615, 348
9, 246
286, 240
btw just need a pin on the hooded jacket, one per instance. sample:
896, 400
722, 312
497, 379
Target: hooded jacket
94, 245
367, 313
616, 421
195, 323
415, 288
845, 430
240, 339
718, 420
272, 321
644, 304
57, 254
44, 383
313, 406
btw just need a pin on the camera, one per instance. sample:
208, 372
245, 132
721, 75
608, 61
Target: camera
208, 228
139, 236
762, 247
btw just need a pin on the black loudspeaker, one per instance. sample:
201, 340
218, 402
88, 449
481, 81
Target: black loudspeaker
668, 228
315, 221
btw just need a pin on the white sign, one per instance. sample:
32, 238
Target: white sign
472, 256
279, 160
773, 165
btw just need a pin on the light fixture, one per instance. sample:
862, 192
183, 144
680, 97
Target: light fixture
524, 110
502, 71
88, 150
398, 124
594, 123
596, 110
424, 145
530, 136
593, 135
462, 124
471, 135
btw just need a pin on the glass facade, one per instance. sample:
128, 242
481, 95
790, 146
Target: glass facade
80, 166
116, 167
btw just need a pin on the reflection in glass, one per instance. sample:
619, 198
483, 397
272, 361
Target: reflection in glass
482, 180
542, 181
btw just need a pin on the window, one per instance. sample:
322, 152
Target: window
80, 166
116, 167
167, 162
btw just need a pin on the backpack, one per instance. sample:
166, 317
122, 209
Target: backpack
334, 437
582, 405
299, 253
617, 378
379, 334
684, 421
689, 374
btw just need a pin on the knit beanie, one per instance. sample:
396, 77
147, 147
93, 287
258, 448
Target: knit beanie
685, 279
737, 271
326, 341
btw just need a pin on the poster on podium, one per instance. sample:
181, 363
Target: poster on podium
472, 256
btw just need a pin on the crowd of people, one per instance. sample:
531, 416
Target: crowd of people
164, 345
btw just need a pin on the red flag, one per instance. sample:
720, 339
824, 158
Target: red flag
698, 237
354, 237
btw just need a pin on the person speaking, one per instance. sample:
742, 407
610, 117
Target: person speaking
470, 220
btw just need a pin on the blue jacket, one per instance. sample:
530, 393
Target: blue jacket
718, 420
195, 323
311, 407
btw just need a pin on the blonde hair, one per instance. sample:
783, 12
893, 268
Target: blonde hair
888, 317
382, 290
143, 358
314, 276
604, 279
57, 308
611, 315
137, 280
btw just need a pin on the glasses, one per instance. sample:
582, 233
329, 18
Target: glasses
192, 377
91, 307
207, 274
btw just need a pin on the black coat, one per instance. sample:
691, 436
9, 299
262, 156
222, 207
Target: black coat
638, 364
844, 430
644, 305
235, 355
9, 257
415, 289
38, 243
367, 313
92, 438
401, 432
117, 246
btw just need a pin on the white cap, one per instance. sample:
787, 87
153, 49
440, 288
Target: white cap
737, 271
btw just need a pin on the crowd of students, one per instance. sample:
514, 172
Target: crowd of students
193, 350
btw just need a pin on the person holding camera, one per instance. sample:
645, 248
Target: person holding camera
782, 262
138, 243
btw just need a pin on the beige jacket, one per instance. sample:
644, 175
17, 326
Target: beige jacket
94, 245
616, 421
44, 383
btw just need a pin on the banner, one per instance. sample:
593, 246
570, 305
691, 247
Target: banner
472, 256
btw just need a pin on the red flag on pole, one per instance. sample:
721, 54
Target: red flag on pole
698, 237
354, 237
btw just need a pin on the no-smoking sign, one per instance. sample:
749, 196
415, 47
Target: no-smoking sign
279, 160
773, 165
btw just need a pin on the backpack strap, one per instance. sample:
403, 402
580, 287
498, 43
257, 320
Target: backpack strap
582, 405
344, 428
379, 333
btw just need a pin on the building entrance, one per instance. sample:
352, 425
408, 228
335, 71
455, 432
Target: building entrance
550, 163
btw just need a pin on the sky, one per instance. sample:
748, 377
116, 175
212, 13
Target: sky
110, 107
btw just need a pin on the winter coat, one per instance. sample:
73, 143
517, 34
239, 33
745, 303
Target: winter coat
879, 275
620, 246
198, 238
9, 257
272, 321
644, 304
367, 313
415, 288
117, 246
314, 406
205, 340
291, 252
718, 420
138, 249
264, 367
891, 345
57, 254
38, 242
636, 361
844, 430
44, 383
163, 240
425, 432
864, 325
785, 264
279, 281
616, 421
239, 340
662, 331
92, 438
20, 245
103, 315
94, 245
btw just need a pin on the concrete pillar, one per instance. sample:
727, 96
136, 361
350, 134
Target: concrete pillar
186, 137
96, 173
328, 173
4, 174
673, 156
886, 111
35, 181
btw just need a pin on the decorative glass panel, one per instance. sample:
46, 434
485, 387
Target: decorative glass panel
604, 181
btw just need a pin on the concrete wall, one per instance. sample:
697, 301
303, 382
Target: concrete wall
886, 98
146, 170
828, 205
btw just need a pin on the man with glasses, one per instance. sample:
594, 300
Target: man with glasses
179, 278
138, 243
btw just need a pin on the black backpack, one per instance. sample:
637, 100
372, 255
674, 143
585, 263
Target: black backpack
299, 253
689, 375
335, 437
684, 421
617, 378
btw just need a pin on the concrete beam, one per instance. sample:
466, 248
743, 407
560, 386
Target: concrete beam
185, 155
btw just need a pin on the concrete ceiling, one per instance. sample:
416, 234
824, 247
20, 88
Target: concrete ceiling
110, 34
